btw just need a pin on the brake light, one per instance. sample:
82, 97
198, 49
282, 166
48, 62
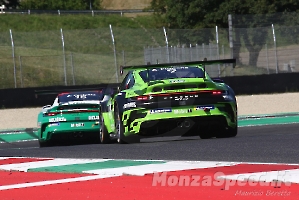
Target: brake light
52, 113
92, 111
142, 98
217, 92
79, 111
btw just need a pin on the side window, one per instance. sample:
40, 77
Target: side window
128, 82
124, 82
131, 81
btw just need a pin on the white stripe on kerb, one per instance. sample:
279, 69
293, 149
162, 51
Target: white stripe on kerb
42, 183
163, 167
291, 176
48, 163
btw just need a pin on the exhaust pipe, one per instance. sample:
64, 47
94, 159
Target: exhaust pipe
187, 124
77, 135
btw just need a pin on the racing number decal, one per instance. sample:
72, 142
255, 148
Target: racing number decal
77, 125
181, 98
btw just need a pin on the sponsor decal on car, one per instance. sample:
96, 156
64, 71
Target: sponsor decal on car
77, 125
54, 124
181, 98
161, 110
182, 111
130, 105
205, 107
96, 117
176, 81
57, 119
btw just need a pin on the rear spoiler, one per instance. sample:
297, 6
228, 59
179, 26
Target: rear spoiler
58, 91
192, 63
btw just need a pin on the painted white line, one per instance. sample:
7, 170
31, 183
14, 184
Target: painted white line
162, 167
47, 163
261, 163
19, 157
42, 183
19, 141
286, 176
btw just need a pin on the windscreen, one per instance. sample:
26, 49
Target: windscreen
154, 74
78, 96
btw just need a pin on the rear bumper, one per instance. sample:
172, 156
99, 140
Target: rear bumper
183, 126
69, 136
152, 122
65, 131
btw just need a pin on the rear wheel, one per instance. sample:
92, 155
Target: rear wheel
119, 128
121, 138
230, 132
104, 135
205, 135
43, 143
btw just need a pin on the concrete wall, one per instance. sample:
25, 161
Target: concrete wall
260, 84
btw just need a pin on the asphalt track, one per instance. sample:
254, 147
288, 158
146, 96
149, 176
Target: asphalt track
266, 143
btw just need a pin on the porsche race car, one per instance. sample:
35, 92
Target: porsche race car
175, 99
73, 115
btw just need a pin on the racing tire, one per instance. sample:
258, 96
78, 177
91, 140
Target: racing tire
230, 132
103, 133
43, 144
119, 129
205, 136
121, 138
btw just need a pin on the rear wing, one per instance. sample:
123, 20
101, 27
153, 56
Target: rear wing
59, 91
192, 63
108, 89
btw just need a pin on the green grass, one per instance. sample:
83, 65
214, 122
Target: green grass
88, 54
45, 22
89, 51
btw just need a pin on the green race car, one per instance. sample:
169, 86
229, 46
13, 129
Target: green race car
73, 115
177, 99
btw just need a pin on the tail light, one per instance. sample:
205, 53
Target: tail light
70, 111
52, 113
92, 111
143, 98
209, 92
79, 111
217, 92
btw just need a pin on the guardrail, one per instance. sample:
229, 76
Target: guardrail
89, 12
